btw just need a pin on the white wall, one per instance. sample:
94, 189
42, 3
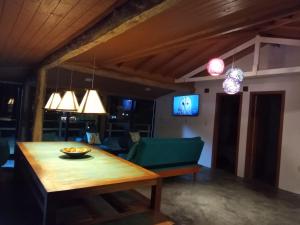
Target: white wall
167, 125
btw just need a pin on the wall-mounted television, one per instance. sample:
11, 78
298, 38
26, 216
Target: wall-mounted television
186, 105
128, 105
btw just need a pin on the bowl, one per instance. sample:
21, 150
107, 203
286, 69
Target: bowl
75, 152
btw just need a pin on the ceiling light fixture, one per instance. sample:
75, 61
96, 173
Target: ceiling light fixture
55, 97
234, 77
231, 86
91, 102
215, 66
69, 101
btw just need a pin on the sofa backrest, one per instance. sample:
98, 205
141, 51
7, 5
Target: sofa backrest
161, 152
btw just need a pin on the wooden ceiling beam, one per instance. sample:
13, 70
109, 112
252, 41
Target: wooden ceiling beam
139, 73
128, 78
281, 22
123, 18
143, 62
168, 60
205, 50
240, 24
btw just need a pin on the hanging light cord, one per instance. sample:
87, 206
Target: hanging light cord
71, 80
93, 77
232, 65
57, 78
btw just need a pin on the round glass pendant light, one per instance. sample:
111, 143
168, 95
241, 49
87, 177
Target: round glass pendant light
215, 67
231, 86
235, 73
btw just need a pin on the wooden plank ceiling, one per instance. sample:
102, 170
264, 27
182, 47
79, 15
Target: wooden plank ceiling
161, 49
32, 29
188, 35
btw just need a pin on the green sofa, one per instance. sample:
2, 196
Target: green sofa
4, 151
168, 156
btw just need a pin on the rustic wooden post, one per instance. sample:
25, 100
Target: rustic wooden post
39, 104
26, 105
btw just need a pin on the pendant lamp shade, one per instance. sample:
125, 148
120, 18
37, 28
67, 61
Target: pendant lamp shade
91, 103
53, 101
68, 103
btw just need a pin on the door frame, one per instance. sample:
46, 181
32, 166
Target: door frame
249, 159
216, 128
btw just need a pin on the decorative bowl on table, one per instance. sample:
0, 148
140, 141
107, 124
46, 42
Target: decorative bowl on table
75, 152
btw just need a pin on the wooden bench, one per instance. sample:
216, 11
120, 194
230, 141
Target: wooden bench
179, 171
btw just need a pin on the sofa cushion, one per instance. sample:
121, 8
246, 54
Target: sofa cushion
135, 136
93, 138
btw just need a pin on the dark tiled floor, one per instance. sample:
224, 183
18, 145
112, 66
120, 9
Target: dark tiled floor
215, 199
222, 199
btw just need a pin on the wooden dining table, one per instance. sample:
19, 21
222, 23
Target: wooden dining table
54, 177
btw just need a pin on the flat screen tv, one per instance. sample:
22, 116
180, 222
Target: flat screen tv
128, 104
186, 105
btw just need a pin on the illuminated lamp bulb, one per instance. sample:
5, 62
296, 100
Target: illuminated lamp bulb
235, 73
231, 86
215, 66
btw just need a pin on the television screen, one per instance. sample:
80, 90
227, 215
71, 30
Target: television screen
187, 105
128, 104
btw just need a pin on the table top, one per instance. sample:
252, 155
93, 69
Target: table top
60, 173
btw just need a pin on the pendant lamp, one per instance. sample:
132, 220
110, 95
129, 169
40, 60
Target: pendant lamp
234, 77
215, 67
91, 102
55, 97
53, 101
69, 101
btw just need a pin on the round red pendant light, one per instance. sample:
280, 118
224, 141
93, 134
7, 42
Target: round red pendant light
215, 66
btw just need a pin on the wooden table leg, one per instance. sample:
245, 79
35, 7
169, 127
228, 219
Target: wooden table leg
49, 212
156, 196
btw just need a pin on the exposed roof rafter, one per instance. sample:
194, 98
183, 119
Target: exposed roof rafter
257, 41
125, 17
112, 74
